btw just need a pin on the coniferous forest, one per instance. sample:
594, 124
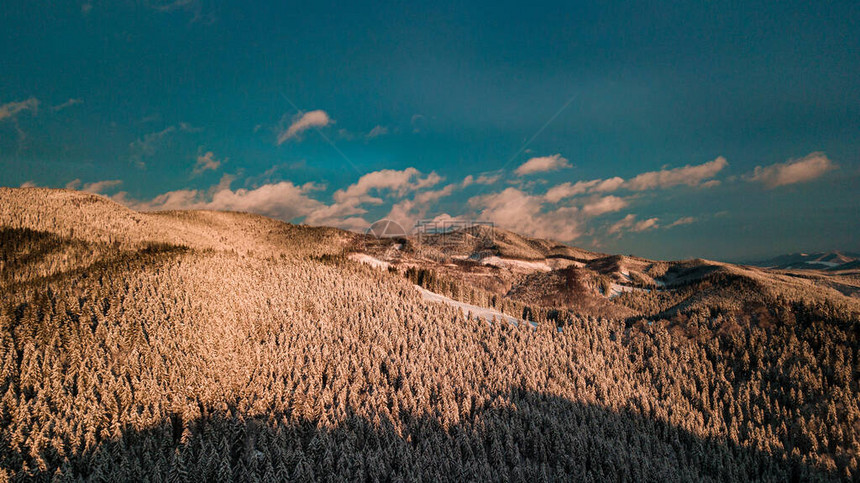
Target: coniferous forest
201, 346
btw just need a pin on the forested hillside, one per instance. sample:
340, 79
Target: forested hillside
204, 346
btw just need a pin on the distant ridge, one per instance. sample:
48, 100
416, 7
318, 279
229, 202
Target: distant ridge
832, 261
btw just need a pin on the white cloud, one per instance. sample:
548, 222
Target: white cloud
523, 213
793, 171
568, 190
303, 122
400, 182
629, 223
207, 162
186, 127
96, 187
488, 178
29, 184
12, 109
409, 190
194, 7
377, 131
170, 5
146, 146
102, 186
408, 211
542, 164
69, 103
283, 200
682, 221
606, 204
446, 217
667, 178
563, 213
607, 185
482, 179
648, 224
368, 190
335, 214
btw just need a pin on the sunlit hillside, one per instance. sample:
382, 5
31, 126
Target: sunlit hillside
211, 346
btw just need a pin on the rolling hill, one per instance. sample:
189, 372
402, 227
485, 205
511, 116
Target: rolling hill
211, 346
542, 274
833, 261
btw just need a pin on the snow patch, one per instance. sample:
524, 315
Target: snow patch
476, 311
510, 264
615, 290
557, 263
826, 264
369, 260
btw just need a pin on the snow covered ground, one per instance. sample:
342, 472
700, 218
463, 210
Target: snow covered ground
615, 290
476, 311
510, 263
826, 264
367, 259
557, 263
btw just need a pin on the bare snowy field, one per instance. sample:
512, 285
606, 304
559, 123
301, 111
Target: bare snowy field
369, 260
476, 311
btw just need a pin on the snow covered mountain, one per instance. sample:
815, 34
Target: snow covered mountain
833, 261
214, 346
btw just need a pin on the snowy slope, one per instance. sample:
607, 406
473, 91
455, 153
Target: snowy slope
476, 311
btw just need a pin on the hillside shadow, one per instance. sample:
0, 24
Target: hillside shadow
518, 436
39, 256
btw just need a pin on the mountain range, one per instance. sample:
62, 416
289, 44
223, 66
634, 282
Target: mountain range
833, 261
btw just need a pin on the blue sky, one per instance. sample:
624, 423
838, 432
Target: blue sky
668, 130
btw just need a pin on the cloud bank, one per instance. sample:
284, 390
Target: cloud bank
282, 200
565, 212
696, 176
407, 188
